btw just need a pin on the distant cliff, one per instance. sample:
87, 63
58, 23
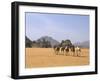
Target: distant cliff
49, 39
44, 41
84, 44
28, 42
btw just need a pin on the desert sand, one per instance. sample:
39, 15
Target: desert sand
46, 57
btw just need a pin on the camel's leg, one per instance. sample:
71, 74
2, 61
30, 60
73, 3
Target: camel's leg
78, 53
74, 53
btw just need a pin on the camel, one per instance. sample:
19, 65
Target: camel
56, 49
67, 50
78, 51
62, 49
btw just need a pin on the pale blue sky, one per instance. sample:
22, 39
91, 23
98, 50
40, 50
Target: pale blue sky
57, 26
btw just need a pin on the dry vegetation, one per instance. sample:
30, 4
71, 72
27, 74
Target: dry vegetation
46, 57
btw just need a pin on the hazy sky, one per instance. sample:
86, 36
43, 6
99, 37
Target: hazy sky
57, 26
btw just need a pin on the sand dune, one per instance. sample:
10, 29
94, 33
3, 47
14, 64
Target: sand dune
46, 57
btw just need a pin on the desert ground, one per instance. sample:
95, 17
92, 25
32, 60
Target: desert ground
46, 57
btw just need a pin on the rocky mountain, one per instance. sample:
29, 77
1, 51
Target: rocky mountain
28, 42
50, 39
84, 44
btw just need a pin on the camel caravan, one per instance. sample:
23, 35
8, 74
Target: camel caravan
67, 49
